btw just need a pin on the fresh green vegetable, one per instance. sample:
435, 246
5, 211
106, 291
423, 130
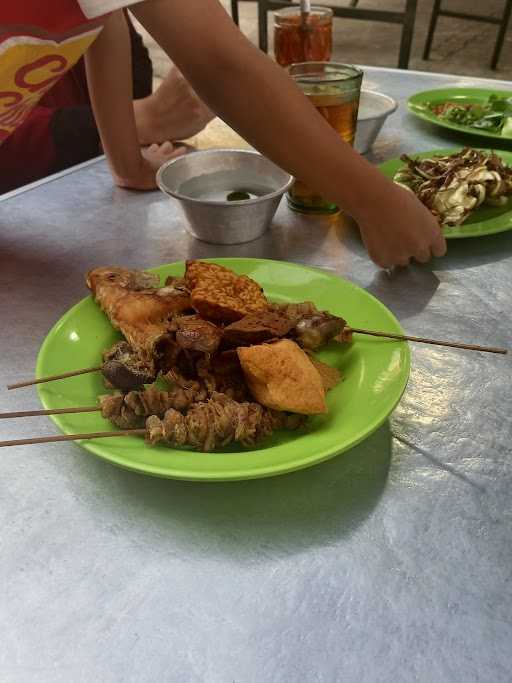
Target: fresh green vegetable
494, 115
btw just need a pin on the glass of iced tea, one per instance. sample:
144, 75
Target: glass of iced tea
298, 39
334, 90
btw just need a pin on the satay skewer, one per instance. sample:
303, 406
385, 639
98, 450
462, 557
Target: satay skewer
206, 426
51, 411
115, 368
51, 378
139, 404
72, 437
347, 330
424, 340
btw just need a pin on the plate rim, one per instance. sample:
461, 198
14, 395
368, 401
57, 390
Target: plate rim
412, 105
97, 448
449, 233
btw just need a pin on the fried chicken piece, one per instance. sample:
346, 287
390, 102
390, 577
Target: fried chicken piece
218, 294
256, 328
135, 306
281, 376
217, 422
192, 332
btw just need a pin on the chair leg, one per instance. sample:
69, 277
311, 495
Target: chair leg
353, 3
501, 34
262, 25
234, 12
431, 28
407, 34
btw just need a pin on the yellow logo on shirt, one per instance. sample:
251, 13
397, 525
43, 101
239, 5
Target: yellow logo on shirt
29, 67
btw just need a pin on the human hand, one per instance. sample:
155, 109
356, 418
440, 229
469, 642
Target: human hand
152, 157
400, 228
172, 112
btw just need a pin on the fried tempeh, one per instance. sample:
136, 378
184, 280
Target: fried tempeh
219, 294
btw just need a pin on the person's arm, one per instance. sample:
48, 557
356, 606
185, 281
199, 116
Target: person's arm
257, 98
109, 76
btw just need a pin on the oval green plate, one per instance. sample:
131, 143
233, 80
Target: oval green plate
375, 375
418, 105
486, 220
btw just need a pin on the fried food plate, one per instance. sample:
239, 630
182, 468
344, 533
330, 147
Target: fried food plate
486, 220
375, 373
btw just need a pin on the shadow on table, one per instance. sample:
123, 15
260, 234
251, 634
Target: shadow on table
251, 519
407, 291
475, 251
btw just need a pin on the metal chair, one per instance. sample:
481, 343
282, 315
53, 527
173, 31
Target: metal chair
502, 22
406, 18
236, 18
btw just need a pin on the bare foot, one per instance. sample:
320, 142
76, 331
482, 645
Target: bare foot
172, 112
152, 157
157, 154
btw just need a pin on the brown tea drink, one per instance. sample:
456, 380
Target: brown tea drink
334, 90
296, 40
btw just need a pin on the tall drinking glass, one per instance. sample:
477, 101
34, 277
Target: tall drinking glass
334, 90
298, 40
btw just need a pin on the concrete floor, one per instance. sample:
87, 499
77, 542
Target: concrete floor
460, 47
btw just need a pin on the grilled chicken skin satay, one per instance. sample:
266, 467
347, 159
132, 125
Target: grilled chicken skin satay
218, 422
130, 410
136, 305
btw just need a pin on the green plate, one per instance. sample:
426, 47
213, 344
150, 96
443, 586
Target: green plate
418, 105
486, 220
375, 374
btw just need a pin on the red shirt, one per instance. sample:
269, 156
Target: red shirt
40, 40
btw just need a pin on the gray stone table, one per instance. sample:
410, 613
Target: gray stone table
391, 562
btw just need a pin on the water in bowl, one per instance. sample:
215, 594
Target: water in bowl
225, 186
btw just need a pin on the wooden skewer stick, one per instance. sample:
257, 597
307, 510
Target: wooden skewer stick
358, 330
54, 411
72, 437
50, 378
423, 340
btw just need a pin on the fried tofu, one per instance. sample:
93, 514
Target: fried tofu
282, 377
219, 294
